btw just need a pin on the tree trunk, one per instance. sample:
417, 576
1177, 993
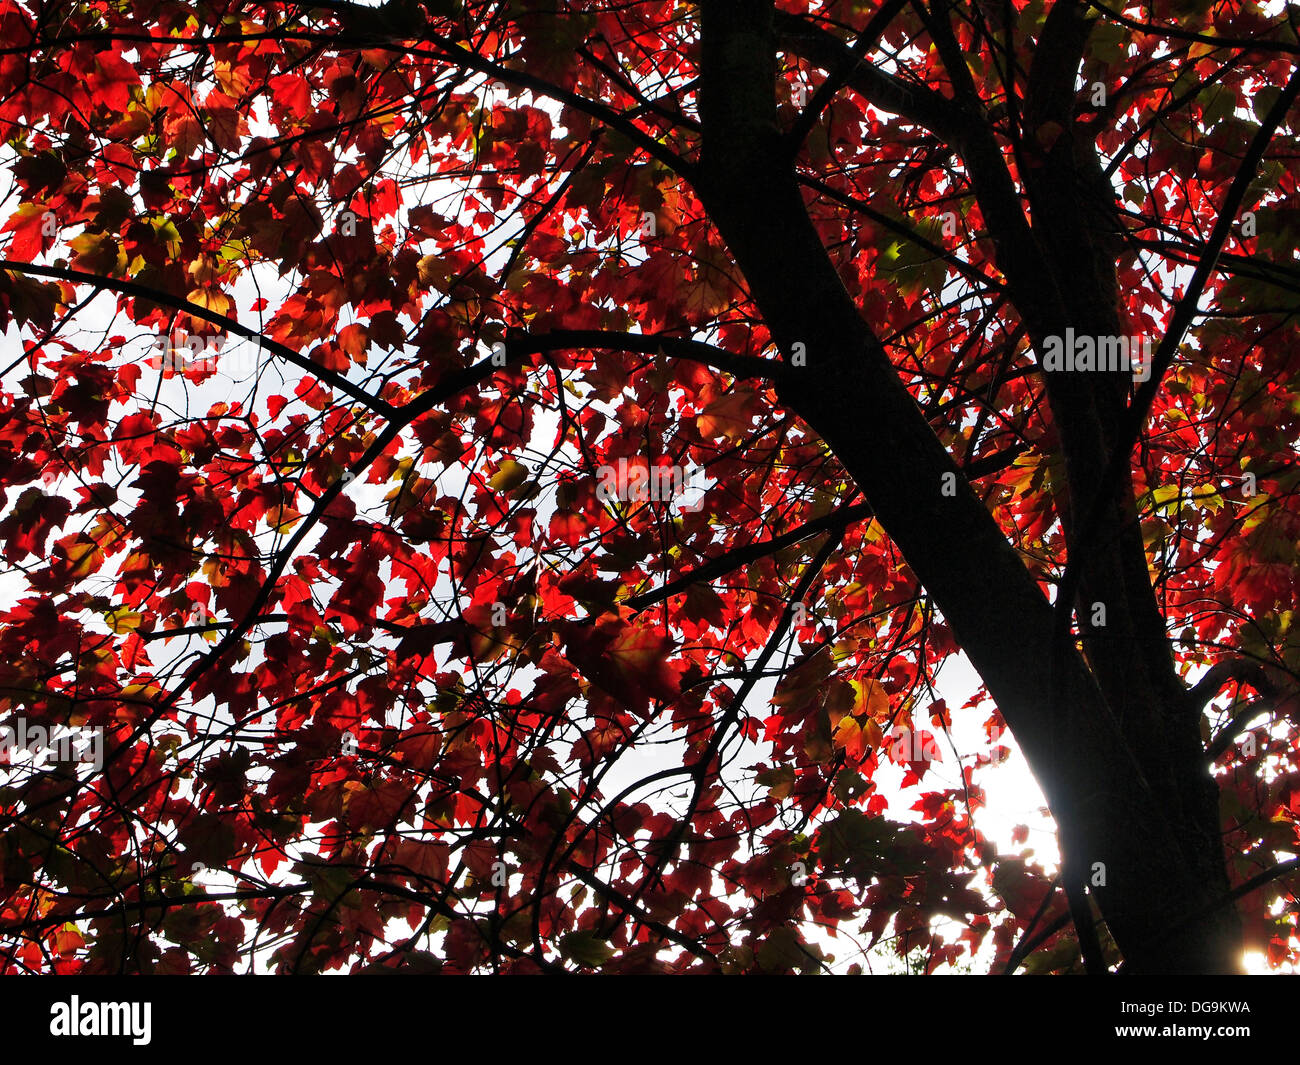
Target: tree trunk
1111, 738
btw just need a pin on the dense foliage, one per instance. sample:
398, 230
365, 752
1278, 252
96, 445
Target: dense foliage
430, 472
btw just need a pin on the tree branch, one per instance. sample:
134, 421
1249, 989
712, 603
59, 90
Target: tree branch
453, 52
905, 231
838, 519
1242, 670
850, 393
1178, 34
1240, 891
916, 103
741, 367
166, 299
1026, 945
1161, 359
1085, 928
850, 59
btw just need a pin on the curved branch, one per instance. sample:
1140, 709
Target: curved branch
741, 367
452, 52
837, 519
850, 59
1174, 33
895, 226
916, 103
1228, 734
1026, 945
135, 289
1242, 670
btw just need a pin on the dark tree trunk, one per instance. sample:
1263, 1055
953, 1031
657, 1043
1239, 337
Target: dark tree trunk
1109, 730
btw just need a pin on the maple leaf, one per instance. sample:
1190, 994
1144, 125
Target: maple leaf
627, 660
113, 80
31, 227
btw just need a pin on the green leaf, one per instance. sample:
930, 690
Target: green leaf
1263, 99
1108, 41
586, 948
779, 782
782, 950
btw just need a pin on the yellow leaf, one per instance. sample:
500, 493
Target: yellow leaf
203, 270
98, 253
166, 234
847, 731
85, 557
1207, 495
234, 78
146, 690
212, 299
872, 700
280, 517
510, 474
123, 620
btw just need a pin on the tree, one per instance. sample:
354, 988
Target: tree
499, 480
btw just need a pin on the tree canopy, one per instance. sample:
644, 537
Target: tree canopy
490, 485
